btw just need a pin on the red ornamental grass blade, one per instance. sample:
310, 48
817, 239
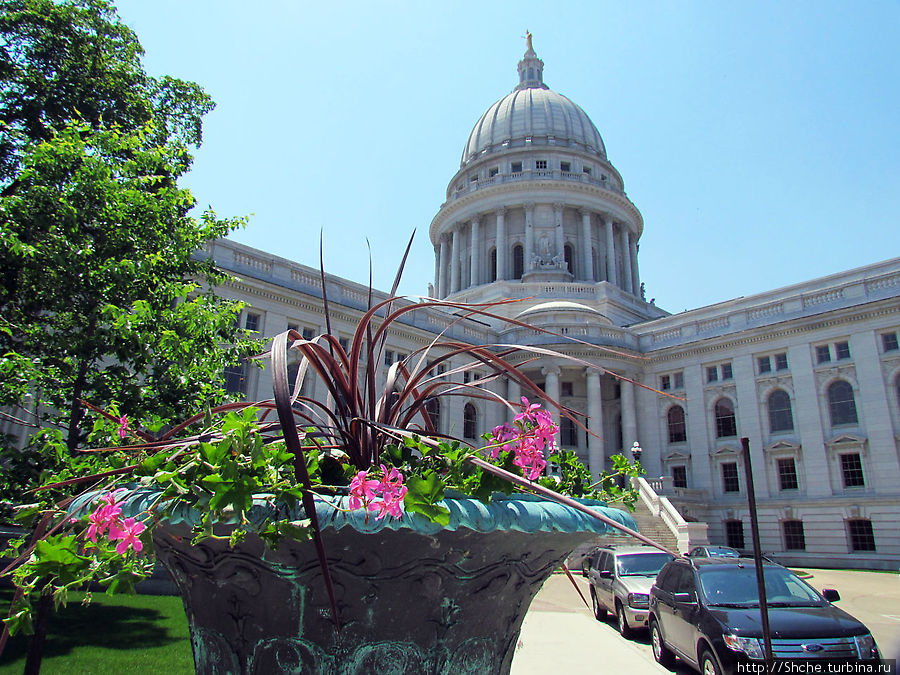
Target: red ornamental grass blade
292, 439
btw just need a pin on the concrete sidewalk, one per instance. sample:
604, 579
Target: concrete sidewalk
560, 634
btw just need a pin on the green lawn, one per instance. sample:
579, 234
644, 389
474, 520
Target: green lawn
114, 634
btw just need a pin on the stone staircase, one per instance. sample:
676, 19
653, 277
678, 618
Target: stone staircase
649, 525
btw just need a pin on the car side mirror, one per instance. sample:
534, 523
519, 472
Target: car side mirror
684, 597
830, 594
605, 574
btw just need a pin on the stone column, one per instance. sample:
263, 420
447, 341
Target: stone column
475, 272
444, 272
596, 454
502, 247
560, 235
586, 256
610, 251
455, 261
513, 392
629, 418
635, 277
529, 236
551, 388
437, 271
626, 260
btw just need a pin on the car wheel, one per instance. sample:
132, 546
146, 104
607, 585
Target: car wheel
599, 611
624, 628
708, 664
663, 655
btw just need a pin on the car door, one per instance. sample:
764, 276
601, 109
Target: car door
685, 612
603, 585
671, 611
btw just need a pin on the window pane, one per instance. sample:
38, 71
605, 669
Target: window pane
679, 476
678, 382
734, 533
730, 481
470, 421
851, 470
841, 403
794, 539
252, 321
712, 374
726, 425
726, 371
664, 382
889, 342
764, 364
862, 538
780, 417
842, 350
676, 422
787, 474
823, 354
781, 362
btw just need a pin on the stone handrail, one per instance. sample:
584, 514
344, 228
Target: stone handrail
687, 535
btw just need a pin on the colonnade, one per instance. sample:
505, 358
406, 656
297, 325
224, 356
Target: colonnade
468, 237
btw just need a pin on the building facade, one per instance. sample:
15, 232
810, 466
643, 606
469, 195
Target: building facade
809, 373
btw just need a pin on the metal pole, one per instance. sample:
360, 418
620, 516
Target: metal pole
757, 555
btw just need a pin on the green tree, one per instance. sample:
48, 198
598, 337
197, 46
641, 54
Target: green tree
102, 294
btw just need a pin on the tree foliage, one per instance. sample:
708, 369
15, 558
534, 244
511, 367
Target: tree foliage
102, 294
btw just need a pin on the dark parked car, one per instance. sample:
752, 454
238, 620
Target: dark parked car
714, 552
620, 578
706, 611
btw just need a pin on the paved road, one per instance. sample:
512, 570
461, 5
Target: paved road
561, 636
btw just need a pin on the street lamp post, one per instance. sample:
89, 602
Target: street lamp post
636, 452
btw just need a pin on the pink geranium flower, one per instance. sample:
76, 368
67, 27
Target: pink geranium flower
123, 427
362, 491
127, 535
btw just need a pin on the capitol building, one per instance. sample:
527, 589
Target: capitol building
536, 211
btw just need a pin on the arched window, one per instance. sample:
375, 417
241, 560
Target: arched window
493, 264
518, 261
841, 403
780, 416
725, 423
470, 421
434, 412
677, 427
570, 258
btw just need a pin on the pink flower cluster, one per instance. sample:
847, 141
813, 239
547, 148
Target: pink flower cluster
108, 518
530, 434
384, 496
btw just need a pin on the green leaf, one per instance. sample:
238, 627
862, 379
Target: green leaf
422, 497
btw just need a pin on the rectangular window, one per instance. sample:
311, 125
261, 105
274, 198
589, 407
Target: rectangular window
726, 371
466, 377
473, 178
823, 354
566, 389
251, 321
763, 364
712, 374
540, 164
493, 171
794, 539
781, 361
235, 381
787, 474
388, 357
734, 533
889, 342
862, 538
730, 480
678, 381
664, 383
293, 326
565, 166
679, 476
586, 170
842, 350
852, 471
308, 333
516, 167
344, 343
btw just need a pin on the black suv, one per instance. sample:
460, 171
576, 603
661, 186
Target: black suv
706, 611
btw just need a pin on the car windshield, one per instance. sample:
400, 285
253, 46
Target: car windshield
641, 564
735, 586
723, 553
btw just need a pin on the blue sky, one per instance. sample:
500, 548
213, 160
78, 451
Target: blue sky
760, 141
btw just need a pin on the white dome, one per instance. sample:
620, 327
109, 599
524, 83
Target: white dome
533, 114
539, 114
